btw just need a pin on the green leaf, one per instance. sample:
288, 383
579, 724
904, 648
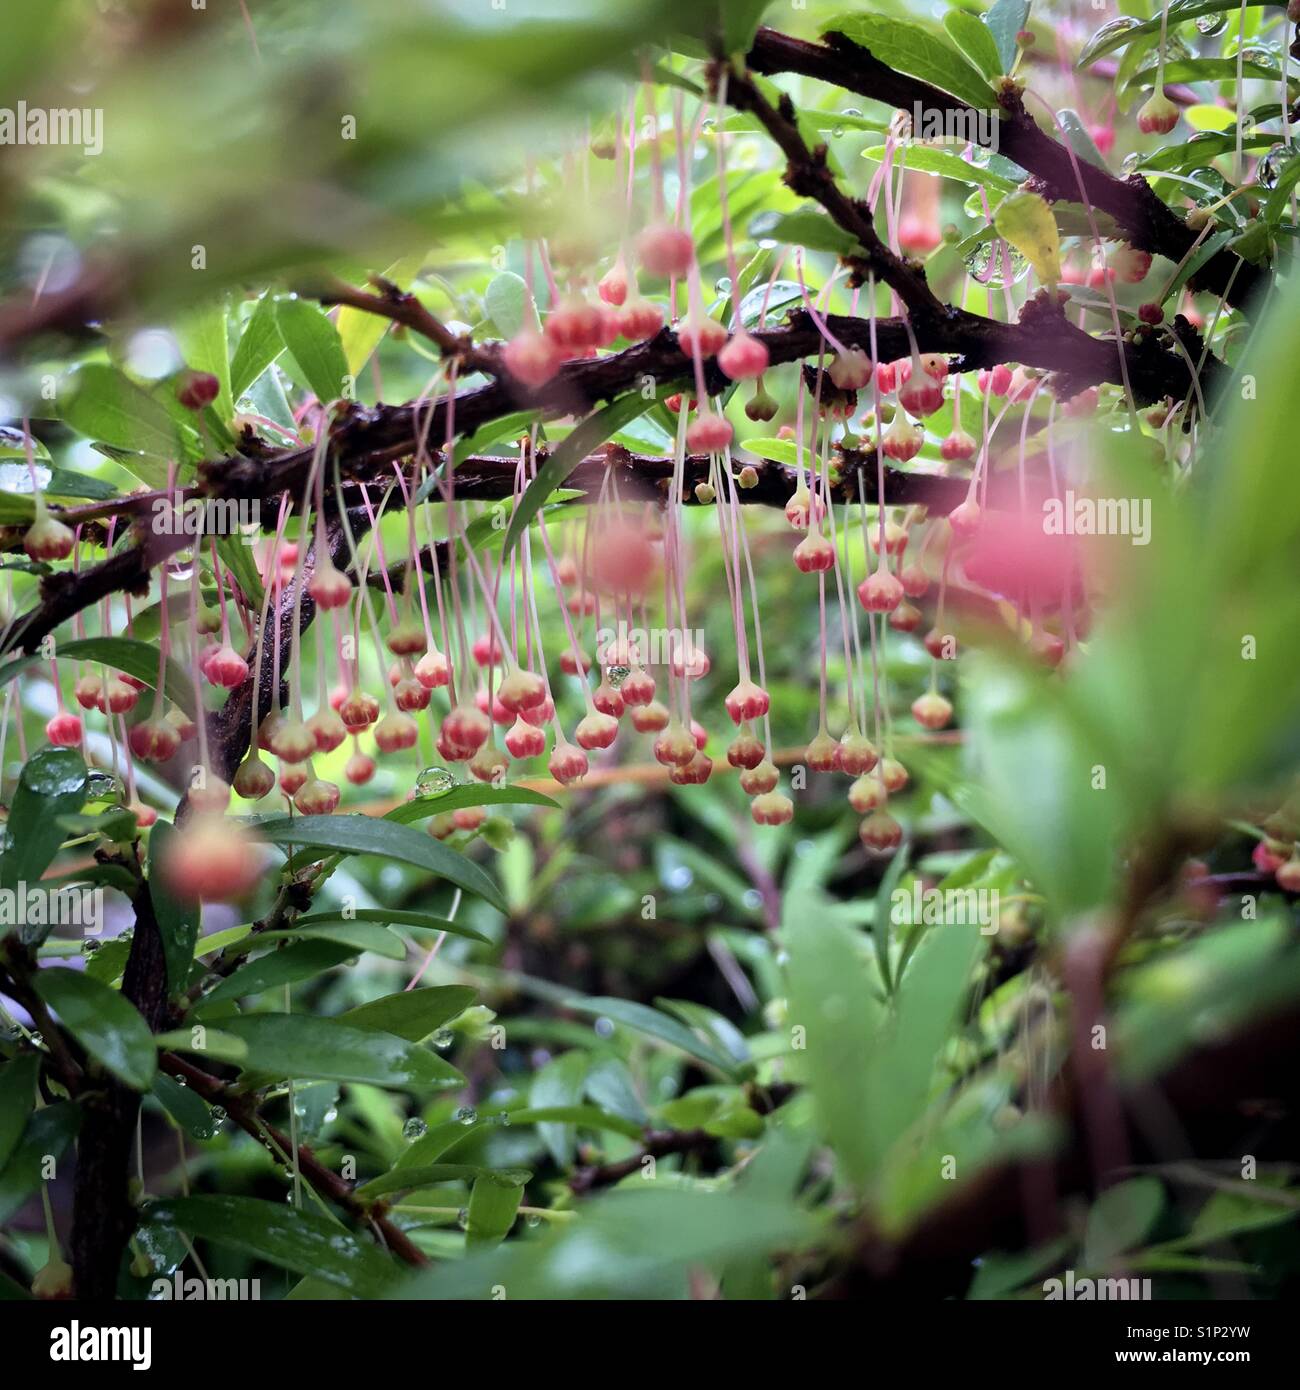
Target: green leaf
471, 794
1124, 30
314, 345
359, 936
390, 917
259, 345
1080, 137
238, 559
1121, 1218
107, 406
190, 1111
298, 1240
52, 783
409, 1178
740, 21
657, 1025
806, 226
997, 174
493, 1207
138, 659
830, 997
107, 1025
302, 960
588, 435
1005, 19
299, 1045
202, 338
918, 49
367, 835
47, 1135
1280, 198
412, 1013
1026, 221
14, 444
361, 332
17, 1101
178, 923
974, 39
559, 1085
509, 305
581, 1116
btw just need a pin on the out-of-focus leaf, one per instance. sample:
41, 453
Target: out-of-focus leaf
1121, 1218
559, 1085
47, 1135
658, 1025
178, 922
492, 1209
17, 1100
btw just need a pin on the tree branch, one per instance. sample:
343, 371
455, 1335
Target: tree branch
1146, 221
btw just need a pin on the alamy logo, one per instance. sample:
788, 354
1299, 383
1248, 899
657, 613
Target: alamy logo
77, 1343
180, 1289
1096, 1290
1098, 516
207, 516
23, 906
957, 126
945, 907
656, 646
37, 125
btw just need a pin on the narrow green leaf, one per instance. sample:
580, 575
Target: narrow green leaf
358, 834
138, 659
190, 1111
259, 345
302, 960
492, 1209
107, 1025
299, 1045
975, 40
105, 405
359, 936
412, 1013
410, 1178
314, 345
918, 49
202, 338
391, 917
178, 923
559, 1086
47, 1135
656, 1025
298, 1240
52, 783
17, 1101
1005, 19
471, 794
592, 432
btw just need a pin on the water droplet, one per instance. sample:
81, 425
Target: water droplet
55, 772
723, 286
532, 1220
853, 111
462, 1218
443, 1039
434, 781
466, 1115
6, 840
102, 786
501, 1119
414, 1128
181, 1081
218, 1116
1211, 24
88, 948
616, 675
604, 1027
836, 132
330, 1116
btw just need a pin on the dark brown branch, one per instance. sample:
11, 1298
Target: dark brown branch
243, 1111
1146, 221
393, 303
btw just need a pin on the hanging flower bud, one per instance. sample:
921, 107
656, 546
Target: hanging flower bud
665, 250
743, 358
524, 741
759, 780
1157, 115
253, 779
771, 808
64, 730
880, 592
932, 711
567, 764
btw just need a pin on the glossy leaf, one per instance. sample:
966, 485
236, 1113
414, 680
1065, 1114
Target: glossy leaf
298, 1240
106, 1024
413, 1013
355, 834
